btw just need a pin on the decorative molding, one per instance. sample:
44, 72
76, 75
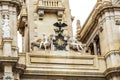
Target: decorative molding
41, 14
8, 60
112, 52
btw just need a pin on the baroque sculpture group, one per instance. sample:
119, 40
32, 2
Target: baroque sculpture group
58, 42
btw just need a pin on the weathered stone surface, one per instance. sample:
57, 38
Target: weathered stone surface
97, 59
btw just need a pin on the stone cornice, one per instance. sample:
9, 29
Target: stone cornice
94, 16
51, 9
16, 3
8, 60
112, 71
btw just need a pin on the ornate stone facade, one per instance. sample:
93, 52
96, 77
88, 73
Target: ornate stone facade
51, 53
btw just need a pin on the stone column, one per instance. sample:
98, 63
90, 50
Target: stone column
95, 47
8, 74
17, 75
7, 52
108, 61
9, 9
67, 18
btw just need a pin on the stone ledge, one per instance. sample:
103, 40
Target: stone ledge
64, 73
61, 61
51, 9
8, 59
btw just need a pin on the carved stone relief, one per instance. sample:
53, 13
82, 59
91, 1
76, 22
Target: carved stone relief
42, 43
5, 26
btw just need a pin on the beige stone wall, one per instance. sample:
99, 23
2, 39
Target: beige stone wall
36, 27
110, 34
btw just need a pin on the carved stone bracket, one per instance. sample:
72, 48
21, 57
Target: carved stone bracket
60, 14
117, 22
41, 14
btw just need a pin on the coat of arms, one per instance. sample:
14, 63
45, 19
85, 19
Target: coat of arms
60, 42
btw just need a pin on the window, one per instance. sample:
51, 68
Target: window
97, 41
91, 47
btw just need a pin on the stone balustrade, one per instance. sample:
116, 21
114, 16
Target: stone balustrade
53, 6
50, 3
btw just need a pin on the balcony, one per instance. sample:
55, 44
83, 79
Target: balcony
50, 3
51, 6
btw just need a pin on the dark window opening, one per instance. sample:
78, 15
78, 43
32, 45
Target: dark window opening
91, 47
97, 41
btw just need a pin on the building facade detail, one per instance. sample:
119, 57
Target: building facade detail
49, 50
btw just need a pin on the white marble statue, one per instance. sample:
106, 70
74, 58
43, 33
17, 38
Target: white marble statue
45, 42
74, 44
5, 27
